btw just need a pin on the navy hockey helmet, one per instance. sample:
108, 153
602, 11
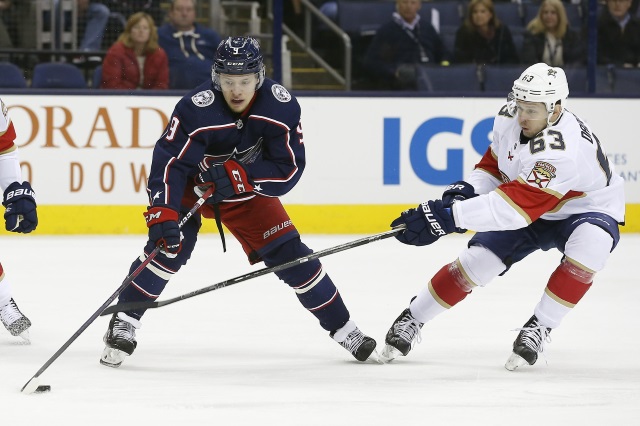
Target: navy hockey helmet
238, 56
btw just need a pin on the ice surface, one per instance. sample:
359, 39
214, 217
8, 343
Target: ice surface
250, 355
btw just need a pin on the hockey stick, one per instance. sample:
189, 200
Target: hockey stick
33, 383
123, 307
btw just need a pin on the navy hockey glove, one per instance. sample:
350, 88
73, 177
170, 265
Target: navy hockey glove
163, 229
458, 191
425, 224
229, 179
20, 214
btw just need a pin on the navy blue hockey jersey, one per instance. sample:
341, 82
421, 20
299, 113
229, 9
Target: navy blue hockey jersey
266, 138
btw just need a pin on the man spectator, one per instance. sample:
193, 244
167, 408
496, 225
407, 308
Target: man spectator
400, 46
16, 24
618, 35
189, 46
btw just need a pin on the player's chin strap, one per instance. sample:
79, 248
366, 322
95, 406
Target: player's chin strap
216, 216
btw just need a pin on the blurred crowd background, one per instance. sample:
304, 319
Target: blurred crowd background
344, 45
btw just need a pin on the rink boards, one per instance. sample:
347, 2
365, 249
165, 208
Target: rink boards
367, 158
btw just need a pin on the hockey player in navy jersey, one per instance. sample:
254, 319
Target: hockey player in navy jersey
20, 216
545, 182
241, 133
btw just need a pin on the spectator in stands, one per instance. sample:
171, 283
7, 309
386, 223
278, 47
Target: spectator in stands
120, 9
17, 18
399, 48
92, 21
125, 8
136, 61
292, 16
549, 38
482, 38
189, 46
5, 39
618, 35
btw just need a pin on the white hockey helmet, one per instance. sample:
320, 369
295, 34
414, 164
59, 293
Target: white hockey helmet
542, 83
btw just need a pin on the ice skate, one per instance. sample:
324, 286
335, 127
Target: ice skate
401, 336
528, 344
361, 346
15, 321
120, 340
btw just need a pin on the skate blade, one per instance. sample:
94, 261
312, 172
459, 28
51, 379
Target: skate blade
112, 357
515, 361
26, 339
389, 353
374, 358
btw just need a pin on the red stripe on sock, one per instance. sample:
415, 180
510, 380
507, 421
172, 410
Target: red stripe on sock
445, 287
565, 287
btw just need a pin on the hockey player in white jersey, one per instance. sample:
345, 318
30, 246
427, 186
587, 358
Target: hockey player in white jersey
20, 216
545, 182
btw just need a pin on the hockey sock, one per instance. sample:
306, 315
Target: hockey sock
446, 289
148, 285
567, 285
5, 288
318, 294
313, 287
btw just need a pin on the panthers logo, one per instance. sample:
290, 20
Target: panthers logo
280, 93
541, 174
203, 99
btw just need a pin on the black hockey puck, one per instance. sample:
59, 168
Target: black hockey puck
42, 389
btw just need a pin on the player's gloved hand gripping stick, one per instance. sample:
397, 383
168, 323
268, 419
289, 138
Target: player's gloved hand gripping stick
33, 383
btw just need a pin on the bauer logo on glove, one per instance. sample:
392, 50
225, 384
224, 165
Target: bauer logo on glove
436, 227
18, 192
20, 214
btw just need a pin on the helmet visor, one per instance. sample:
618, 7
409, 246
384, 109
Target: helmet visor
238, 81
531, 110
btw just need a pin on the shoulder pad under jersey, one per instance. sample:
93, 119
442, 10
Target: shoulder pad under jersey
275, 101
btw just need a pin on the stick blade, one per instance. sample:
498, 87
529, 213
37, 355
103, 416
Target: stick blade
31, 386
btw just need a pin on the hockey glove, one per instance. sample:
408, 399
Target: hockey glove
228, 179
164, 230
425, 224
20, 203
458, 191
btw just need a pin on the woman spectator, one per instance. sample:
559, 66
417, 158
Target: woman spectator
482, 38
549, 38
136, 61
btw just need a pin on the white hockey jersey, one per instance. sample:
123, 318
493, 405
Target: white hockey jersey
9, 164
7, 134
561, 171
